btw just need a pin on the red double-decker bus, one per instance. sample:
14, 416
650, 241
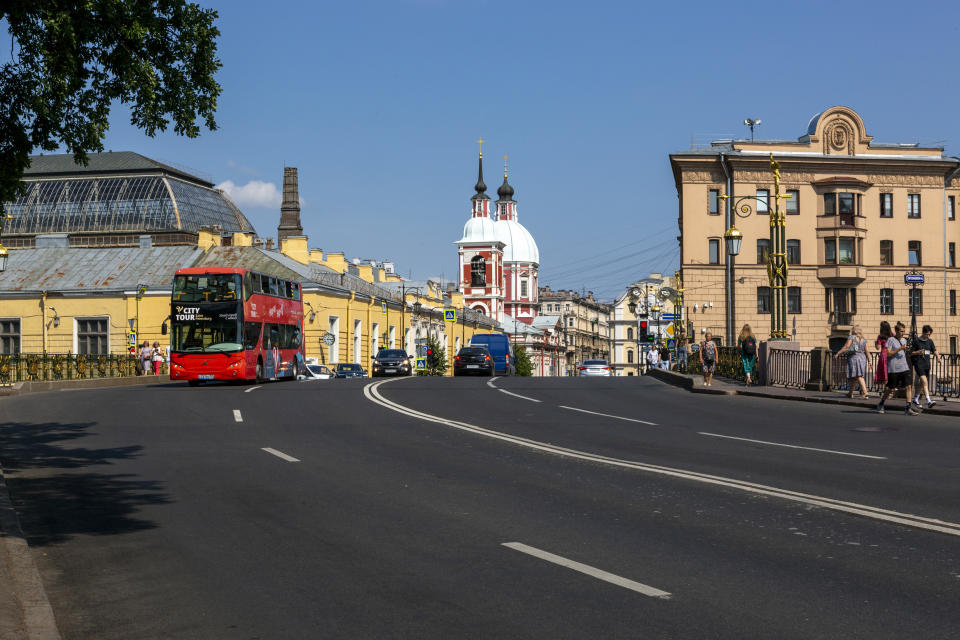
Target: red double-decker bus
235, 324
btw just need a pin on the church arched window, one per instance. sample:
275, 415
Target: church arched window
478, 272
629, 333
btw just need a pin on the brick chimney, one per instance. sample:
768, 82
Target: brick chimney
290, 208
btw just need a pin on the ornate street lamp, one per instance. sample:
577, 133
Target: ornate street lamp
733, 238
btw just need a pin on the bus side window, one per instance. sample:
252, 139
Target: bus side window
295, 338
273, 286
248, 286
296, 290
289, 290
251, 334
275, 337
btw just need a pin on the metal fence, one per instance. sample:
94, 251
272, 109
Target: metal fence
729, 364
944, 376
789, 368
25, 367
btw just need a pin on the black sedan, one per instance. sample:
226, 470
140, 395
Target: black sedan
392, 362
350, 370
473, 361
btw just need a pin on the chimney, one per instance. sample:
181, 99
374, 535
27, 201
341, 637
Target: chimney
269, 246
290, 208
258, 243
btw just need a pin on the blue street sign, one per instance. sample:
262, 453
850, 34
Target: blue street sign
450, 314
671, 343
421, 364
913, 278
668, 316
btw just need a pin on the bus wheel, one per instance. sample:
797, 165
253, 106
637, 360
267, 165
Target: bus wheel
259, 371
193, 383
296, 369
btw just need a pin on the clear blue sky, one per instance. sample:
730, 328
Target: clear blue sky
379, 104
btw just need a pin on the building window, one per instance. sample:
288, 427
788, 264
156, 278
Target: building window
763, 251
793, 252
793, 202
523, 288
952, 254
845, 204
886, 205
629, 333
846, 252
763, 201
478, 272
886, 252
844, 301
569, 322
886, 301
763, 299
92, 337
914, 254
9, 337
953, 302
913, 205
829, 204
916, 302
714, 202
830, 251
714, 250
951, 208
333, 322
793, 300
629, 356
953, 344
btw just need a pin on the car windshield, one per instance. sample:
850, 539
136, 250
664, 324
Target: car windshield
594, 363
317, 369
213, 335
391, 353
473, 351
348, 367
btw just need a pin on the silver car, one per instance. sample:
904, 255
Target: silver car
594, 368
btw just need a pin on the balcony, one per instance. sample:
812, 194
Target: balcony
842, 222
838, 275
841, 320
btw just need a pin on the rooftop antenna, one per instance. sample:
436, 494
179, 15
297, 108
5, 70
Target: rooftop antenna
752, 122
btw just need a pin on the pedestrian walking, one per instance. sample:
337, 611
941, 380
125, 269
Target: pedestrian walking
664, 357
682, 353
146, 356
880, 344
747, 344
708, 358
923, 350
856, 347
898, 370
157, 358
653, 358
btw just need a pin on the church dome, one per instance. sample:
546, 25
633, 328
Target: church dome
520, 244
505, 191
479, 230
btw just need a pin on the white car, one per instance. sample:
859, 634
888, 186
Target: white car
595, 368
315, 372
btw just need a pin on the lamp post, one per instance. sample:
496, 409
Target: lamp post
776, 257
656, 318
403, 308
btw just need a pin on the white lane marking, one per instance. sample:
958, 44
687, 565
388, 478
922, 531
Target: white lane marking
252, 389
237, 416
280, 454
792, 446
607, 415
921, 522
517, 395
490, 382
600, 574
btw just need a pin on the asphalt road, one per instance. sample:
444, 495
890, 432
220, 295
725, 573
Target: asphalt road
463, 508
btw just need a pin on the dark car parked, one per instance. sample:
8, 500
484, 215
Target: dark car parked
350, 370
392, 362
473, 361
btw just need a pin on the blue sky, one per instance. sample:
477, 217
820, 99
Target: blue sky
379, 105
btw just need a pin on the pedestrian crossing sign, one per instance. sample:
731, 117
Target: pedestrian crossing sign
421, 364
450, 315
383, 306
132, 337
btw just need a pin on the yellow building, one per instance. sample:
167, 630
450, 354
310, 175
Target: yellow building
861, 214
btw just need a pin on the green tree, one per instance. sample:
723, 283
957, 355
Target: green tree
70, 60
524, 364
439, 366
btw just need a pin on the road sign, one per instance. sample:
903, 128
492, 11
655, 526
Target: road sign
132, 338
913, 278
421, 364
450, 314
329, 339
669, 329
383, 306
668, 316
141, 289
671, 343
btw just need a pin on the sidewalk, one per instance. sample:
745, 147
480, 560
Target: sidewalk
724, 386
19, 388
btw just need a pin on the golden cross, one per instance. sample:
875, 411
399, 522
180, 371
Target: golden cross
480, 142
505, 166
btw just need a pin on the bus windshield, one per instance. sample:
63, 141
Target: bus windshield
214, 336
213, 287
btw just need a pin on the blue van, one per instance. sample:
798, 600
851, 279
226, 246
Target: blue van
501, 349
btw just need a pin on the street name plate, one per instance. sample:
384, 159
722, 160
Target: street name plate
913, 278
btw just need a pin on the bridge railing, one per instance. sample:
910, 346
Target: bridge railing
26, 367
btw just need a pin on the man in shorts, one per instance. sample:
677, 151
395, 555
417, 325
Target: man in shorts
921, 352
898, 370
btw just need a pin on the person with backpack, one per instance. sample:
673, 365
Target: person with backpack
747, 344
708, 358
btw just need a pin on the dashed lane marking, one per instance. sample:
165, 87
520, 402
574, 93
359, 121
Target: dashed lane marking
252, 389
593, 572
510, 393
792, 446
236, 415
607, 415
280, 454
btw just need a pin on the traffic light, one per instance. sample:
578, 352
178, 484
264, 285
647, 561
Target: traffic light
643, 330
430, 359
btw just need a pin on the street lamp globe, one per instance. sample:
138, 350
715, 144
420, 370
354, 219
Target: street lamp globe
3, 258
733, 239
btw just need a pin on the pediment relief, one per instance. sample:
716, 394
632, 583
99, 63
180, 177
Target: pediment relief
839, 131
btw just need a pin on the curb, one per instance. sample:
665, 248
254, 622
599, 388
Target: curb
36, 613
685, 382
38, 386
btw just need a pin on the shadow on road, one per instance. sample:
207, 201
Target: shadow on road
56, 493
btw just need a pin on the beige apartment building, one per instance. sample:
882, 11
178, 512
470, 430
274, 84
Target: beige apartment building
585, 325
861, 214
641, 301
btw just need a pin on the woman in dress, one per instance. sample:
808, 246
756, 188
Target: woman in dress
856, 346
880, 375
708, 358
747, 345
146, 356
157, 358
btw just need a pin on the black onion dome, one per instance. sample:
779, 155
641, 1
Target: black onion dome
481, 186
505, 191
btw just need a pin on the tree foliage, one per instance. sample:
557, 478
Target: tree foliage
439, 365
70, 60
524, 364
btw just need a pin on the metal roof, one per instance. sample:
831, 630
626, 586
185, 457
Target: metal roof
93, 270
103, 163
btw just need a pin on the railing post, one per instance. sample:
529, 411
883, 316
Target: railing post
820, 369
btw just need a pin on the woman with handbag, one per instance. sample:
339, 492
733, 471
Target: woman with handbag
708, 358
